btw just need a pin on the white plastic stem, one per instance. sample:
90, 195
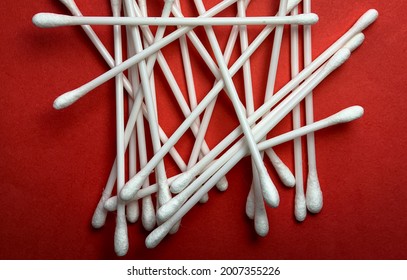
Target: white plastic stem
47, 20
189, 77
121, 242
143, 9
300, 210
186, 62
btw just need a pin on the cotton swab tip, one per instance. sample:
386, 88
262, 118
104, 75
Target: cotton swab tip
300, 208
286, 176
155, 237
127, 193
308, 19
261, 225
130, 189
181, 182
347, 115
337, 59
222, 185
250, 205
121, 241
367, 19
270, 193
46, 20
313, 195
111, 204
99, 218
132, 212
168, 209
355, 42
67, 99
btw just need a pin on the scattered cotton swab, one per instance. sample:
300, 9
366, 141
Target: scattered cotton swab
206, 167
47, 20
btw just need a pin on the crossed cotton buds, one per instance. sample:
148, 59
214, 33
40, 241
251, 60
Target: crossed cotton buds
206, 167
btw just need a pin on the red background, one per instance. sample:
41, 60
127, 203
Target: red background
54, 164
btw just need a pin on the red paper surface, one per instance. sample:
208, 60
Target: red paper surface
54, 164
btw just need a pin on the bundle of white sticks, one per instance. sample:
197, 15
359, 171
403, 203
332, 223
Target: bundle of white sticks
206, 167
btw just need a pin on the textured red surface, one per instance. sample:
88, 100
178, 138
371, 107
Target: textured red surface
54, 164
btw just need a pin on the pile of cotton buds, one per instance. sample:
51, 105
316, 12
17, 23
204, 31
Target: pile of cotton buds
206, 167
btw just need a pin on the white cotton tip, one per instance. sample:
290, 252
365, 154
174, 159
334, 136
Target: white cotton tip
366, 19
308, 19
355, 42
269, 191
283, 172
155, 237
261, 224
168, 209
132, 211
337, 59
148, 218
291, 4
121, 240
99, 216
250, 204
347, 115
67, 99
131, 188
314, 194
182, 181
164, 194
204, 198
45, 20
111, 204
300, 208
285, 175
222, 185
